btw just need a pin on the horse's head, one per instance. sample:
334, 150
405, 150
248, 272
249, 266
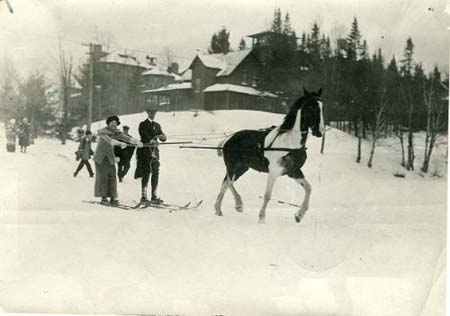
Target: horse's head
311, 113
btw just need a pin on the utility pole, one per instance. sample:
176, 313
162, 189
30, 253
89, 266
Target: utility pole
91, 85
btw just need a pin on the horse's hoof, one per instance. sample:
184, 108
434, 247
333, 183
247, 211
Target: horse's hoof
298, 218
219, 213
239, 208
262, 221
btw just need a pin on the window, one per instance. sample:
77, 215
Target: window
244, 77
255, 80
198, 85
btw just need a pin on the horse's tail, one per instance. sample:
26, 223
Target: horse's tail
220, 147
221, 144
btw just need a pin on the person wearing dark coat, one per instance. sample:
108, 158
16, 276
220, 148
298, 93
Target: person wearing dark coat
24, 135
84, 153
105, 161
125, 157
148, 157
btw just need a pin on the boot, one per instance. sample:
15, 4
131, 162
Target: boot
104, 201
114, 202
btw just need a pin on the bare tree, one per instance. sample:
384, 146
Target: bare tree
435, 119
65, 73
378, 126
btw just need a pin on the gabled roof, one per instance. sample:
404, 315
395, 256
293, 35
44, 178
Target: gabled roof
226, 63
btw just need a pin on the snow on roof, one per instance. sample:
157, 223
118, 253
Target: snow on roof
227, 63
212, 61
126, 58
156, 71
170, 87
186, 75
239, 89
263, 33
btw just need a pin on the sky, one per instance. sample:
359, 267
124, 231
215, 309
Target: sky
30, 35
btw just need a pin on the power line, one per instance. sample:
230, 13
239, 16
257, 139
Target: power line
77, 41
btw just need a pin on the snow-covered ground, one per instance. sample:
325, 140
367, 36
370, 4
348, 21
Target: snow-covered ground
371, 243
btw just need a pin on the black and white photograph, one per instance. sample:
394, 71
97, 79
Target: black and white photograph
224, 157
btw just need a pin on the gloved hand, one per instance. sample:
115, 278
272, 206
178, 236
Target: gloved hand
115, 142
154, 143
162, 137
123, 145
140, 144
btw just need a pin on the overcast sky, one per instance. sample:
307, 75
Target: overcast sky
29, 36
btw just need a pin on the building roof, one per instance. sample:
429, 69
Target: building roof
226, 63
171, 87
130, 59
186, 75
260, 34
239, 89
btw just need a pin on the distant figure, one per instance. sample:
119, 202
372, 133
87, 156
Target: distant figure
24, 135
124, 155
11, 135
84, 153
105, 161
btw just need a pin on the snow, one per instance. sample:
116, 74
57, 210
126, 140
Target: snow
240, 89
370, 244
227, 63
172, 86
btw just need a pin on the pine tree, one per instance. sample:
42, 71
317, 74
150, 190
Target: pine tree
353, 41
277, 25
220, 42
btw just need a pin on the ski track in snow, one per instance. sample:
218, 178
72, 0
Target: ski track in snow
370, 243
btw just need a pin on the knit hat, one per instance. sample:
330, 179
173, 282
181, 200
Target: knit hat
113, 118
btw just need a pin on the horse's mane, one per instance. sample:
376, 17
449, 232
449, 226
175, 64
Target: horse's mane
289, 119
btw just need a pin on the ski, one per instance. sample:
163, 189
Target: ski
168, 206
120, 205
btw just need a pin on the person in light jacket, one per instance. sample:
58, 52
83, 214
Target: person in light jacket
105, 161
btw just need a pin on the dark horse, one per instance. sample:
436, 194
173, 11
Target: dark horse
277, 151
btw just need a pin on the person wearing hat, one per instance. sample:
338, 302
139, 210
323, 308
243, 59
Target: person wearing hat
84, 153
148, 157
105, 161
124, 155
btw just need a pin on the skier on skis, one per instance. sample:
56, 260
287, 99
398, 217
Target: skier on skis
148, 157
105, 161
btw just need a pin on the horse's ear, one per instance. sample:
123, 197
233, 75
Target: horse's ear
305, 92
319, 93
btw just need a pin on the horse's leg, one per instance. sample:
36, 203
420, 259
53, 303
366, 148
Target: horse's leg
237, 198
305, 204
219, 200
269, 187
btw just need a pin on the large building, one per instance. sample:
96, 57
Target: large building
219, 81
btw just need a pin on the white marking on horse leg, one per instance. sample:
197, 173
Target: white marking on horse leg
219, 200
237, 197
305, 204
322, 123
269, 187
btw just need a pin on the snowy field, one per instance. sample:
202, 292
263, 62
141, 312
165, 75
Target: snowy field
370, 244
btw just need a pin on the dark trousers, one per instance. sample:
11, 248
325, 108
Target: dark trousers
122, 168
154, 171
86, 163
